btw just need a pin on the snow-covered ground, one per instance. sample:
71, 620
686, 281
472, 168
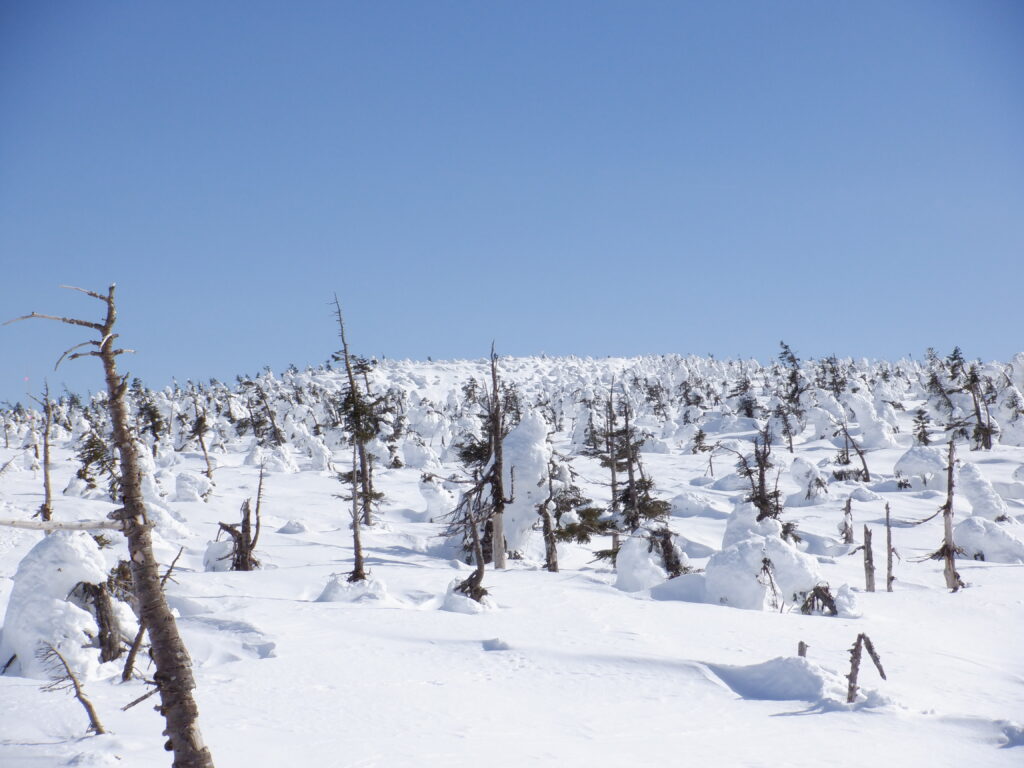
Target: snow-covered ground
560, 668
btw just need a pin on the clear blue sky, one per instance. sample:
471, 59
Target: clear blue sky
563, 177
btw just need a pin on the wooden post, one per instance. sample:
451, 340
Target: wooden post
801, 649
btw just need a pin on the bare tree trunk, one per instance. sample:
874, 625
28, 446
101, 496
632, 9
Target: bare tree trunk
498, 481
889, 578
46, 510
173, 665
801, 649
953, 581
865, 642
109, 631
472, 586
869, 562
65, 677
358, 570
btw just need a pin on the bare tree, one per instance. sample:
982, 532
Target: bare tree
45, 512
862, 641
889, 551
869, 562
173, 665
63, 678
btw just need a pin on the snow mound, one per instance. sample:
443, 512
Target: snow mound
340, 590
456, 602
978, 491
218, 555
983, 539
813, 485
191, 486
743, 524
692, 504
636, 567
496, 644
781, 679
734, 576
923, 466
38, 612
293, 526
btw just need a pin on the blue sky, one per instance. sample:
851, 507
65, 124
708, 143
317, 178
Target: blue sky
563, 177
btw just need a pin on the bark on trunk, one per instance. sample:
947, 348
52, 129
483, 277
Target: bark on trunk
170, 657
889, 578
869, 562
498, 481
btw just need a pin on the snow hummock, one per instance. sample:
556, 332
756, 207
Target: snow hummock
984, 500
38, 612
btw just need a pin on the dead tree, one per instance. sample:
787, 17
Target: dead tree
820, 600
497, 481
63, 678
949, 550
109, 630
862, 641
45, 512
869, 562
173, 665
889, 551
246, 534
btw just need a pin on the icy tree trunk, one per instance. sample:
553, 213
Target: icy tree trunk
869, 562
498, 469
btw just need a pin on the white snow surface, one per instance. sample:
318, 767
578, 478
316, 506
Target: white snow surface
294, 666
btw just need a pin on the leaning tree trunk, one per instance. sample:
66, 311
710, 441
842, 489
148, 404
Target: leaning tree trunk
173, 665
173, 674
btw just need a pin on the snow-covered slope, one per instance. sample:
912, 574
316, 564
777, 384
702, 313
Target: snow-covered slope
295, 667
